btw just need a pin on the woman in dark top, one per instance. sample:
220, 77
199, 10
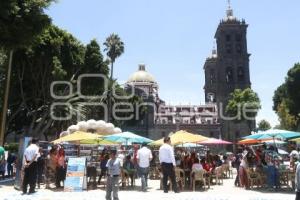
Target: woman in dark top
103, 161
129, 168
11, 159
40, 167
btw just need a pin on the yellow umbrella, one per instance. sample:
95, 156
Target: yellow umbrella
157, 142
181, 137
98, 141
77, 136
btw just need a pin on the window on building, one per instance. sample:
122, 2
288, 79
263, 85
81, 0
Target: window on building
211, 134
210, 97
228, 48
228, 37
240, 74
238, 37
229, 75
212, 76
239, 48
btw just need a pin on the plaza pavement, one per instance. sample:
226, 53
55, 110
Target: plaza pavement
217, 192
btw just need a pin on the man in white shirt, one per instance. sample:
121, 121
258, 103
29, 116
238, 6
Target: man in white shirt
114, 169
144, 156
167, 161
30, 166
121, 157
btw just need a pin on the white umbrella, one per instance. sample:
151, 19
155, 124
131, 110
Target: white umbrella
282, 152
270, 142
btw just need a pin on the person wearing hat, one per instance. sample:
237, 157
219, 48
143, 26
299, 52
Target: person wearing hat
114, 168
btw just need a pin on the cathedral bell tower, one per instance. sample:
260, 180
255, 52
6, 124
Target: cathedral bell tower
227, 68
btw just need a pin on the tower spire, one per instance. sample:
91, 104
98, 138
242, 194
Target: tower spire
229, 11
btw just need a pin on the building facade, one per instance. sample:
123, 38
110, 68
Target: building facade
225, 70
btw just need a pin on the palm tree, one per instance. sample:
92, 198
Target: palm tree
114, 48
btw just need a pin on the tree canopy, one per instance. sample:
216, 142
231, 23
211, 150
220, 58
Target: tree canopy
114, 47
22, 21
243, 105
54, 55
263, 125
286, 100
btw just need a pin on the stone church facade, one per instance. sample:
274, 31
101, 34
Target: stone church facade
225, 70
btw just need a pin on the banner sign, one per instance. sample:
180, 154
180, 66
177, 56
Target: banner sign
75, 179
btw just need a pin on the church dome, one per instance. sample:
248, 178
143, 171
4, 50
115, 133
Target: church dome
141, 76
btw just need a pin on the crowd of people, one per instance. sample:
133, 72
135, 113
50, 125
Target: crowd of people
40, 167
7, 166
266, 161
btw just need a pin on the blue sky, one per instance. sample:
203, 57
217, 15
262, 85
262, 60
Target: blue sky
174, 37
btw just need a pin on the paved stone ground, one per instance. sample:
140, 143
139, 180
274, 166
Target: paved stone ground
217, 192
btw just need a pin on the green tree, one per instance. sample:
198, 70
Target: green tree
20, 23
263, 125
114, 48
293, 90
279, 95
54, 55
93, 64
243, 105
286, 120
286, 100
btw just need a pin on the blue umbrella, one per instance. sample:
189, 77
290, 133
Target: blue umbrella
273, 133
127, 138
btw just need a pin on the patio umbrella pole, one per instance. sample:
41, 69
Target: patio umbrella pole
274, 141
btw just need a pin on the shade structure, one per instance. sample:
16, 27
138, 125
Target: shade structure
248, 141
77, 136
274, 133
127, 138
100, 141
181, 137
282, 152
214, 141
296, 140
190, 145
271, 141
